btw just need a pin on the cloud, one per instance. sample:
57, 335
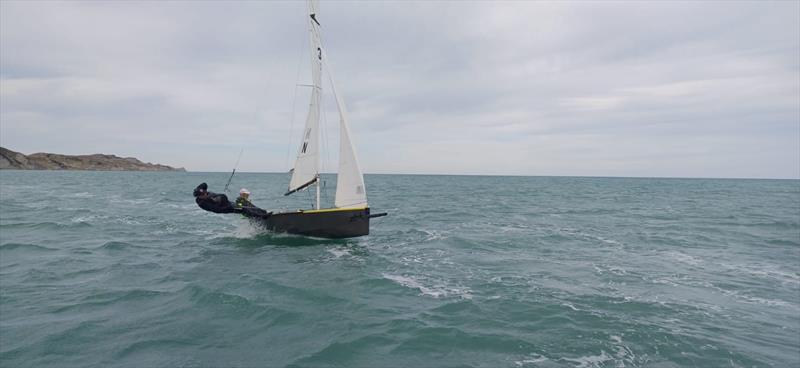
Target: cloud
524, 88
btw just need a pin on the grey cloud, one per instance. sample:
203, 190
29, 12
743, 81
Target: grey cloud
612, 88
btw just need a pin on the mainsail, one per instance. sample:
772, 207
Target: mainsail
306, 166
350, 190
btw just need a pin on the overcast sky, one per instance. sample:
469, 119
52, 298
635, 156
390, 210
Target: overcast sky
687, 89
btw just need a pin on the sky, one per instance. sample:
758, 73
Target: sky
589, 88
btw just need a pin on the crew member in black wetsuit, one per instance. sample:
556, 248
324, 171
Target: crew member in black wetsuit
212, 202
219, 203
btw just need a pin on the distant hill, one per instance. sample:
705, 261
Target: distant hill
97, 162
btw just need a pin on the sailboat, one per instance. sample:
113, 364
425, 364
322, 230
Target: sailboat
351, 213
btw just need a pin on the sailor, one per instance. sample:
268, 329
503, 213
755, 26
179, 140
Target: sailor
201, 191
244, 199
213, 202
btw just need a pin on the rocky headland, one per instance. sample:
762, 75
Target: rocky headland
98, 162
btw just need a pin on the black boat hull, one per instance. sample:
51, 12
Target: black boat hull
325, 223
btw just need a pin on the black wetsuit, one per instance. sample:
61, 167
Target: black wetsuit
219, 203
213, 202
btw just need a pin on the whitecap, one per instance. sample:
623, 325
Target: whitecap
767, 271
607, 241
433, 235
137, 201
338, 252
768, 302
86, 219
684, 258
533, 359
591, 360
570, 306
435, 291
601, 269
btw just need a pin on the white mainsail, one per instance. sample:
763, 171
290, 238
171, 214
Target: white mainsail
306, 166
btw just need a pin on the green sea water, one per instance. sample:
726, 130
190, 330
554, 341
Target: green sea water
121, 269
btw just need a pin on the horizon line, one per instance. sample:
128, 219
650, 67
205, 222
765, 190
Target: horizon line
440, 174
528, 175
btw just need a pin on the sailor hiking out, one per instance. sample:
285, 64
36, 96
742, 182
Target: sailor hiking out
219, 203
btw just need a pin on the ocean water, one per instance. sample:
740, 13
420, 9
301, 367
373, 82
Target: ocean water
121, 269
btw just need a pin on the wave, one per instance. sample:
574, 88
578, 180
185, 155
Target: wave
88, 271
159, 345
228, 303
436, 291
590, 361
766, 224
267, 238
416, 236
683, 258
331, 354
576, 233
436, 339
790, 243
118, 246
111, 297
765, 271
89, 219
43, 226
339, 252
620, 355
749, 299
531, 360
24, 247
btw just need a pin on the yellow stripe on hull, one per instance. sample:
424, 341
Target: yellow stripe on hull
333, 209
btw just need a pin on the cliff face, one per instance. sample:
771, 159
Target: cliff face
51, 161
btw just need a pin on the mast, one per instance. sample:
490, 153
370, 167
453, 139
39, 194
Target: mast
318, 191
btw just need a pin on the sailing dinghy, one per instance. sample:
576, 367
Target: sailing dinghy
351, 214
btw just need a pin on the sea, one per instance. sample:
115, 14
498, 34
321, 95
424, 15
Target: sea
122, 269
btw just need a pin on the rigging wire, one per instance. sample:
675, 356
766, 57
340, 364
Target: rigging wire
294, 104
234, 169
310, 197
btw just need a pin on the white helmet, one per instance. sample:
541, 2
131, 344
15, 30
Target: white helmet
244, 191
